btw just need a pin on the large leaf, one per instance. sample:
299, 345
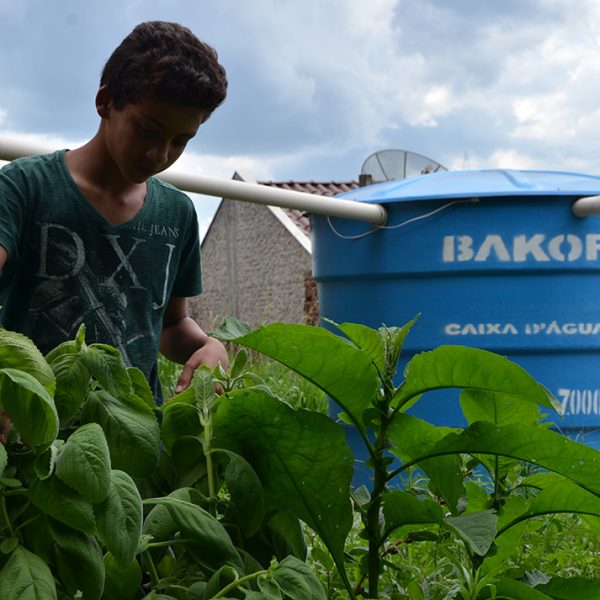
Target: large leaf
106, 366
119, 518
179, 419
19, 352
84, 462
338, 367
300, 457
298, 582
478, 405
3, 459
569, 588
72, 383
509, 589
501, 409
141, 387
410, 436
557, 495
369, 340
58, 500
25, 576
545, 448
470, 368
122, 582
476, 529
29, 405
246, 492
210, 542
131, 430
79, 561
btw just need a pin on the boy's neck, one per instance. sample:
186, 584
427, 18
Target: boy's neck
102, 184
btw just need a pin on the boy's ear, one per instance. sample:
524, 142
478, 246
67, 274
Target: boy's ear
103, 104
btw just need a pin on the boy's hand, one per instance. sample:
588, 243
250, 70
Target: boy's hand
212, 353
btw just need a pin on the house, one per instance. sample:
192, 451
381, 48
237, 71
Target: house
256, 261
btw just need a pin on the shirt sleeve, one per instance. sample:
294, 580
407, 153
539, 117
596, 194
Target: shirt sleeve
13, 209
188, 281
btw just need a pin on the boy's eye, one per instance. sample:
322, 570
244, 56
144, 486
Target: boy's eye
146, 131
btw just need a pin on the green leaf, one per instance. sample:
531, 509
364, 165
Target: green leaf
29, 405
246, 492
370, 341
203, 384
394, 341
72, 384
239, 362
477, 529
187, 455
287, 535
471, 368
119, 518
45, 463
478, 405
545, 448
557, 495
300, 457
107, 367
19, 352
411, 436
509, 589
211, 543
26, 576
122, 582
220, 579
402, 508
329, 361
79, 561
141, 387
84, 462
3, 459
9, 544
269, 589
230, 329
58, 500
179, 419
131, 430
296, 580
568, 588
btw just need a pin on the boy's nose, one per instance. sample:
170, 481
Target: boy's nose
158, 154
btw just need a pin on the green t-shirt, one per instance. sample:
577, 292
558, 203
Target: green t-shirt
67, 265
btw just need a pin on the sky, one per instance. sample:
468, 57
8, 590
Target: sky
317, 86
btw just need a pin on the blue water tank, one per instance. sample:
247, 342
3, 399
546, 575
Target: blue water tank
493, 259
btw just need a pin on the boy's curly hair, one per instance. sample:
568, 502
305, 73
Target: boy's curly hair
169, 61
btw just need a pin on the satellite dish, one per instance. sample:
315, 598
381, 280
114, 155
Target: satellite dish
387, 165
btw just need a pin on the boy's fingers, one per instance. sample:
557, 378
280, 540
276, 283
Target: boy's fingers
184, 378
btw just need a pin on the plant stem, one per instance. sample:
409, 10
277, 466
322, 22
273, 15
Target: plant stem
154, 578
206, 444
235, 584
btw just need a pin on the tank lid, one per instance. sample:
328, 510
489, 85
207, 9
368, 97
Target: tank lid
478, 184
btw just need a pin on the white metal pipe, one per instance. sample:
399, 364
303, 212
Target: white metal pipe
237, 190
586, 207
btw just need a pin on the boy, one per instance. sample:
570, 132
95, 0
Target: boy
89, 235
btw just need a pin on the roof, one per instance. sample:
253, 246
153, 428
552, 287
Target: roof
322, 188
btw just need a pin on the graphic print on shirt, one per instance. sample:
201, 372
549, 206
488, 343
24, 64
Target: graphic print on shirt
91, 285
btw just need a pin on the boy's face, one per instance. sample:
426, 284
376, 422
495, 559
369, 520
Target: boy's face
147, 137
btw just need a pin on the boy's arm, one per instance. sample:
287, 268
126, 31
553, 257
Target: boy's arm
4, 421
183, 341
